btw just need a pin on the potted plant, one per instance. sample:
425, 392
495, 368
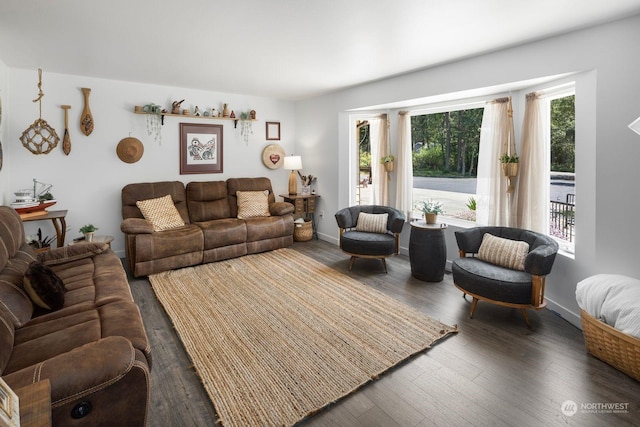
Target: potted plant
430, 208
88, 230
509, 165
387, 161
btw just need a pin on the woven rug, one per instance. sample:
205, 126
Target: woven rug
278, 336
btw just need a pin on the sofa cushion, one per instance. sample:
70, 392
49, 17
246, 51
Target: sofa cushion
372, 223
44, 287
252, 204
72, 253
208, 201
161, 213
503, 252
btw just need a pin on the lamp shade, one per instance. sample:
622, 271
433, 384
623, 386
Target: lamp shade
635, 126
293, 163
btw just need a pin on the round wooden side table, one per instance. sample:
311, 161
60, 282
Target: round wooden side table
427, 251
96, 239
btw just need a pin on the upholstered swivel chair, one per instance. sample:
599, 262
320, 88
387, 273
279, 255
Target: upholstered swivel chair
510, 271
370, 231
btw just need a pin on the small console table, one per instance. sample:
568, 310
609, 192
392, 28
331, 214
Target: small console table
59, 223
427, 251
305, 207
35, 404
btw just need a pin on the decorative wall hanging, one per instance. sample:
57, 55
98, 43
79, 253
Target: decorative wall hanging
200, 148
86, 119
39, 138
273, 156
130, 150
66, 140
273, 131
509, 159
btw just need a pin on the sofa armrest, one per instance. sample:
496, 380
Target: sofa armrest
81, 371
281, 208
71, 253
136, 226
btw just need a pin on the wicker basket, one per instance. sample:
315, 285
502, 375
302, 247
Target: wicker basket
302, 231
608, 344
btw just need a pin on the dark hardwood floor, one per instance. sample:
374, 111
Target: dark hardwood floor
494, 372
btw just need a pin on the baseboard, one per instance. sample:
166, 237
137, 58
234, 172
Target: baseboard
564, 313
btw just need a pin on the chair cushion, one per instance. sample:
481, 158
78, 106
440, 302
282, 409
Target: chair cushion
492, 281
504, 252
161, 213
363, 243
372, 223
253, 204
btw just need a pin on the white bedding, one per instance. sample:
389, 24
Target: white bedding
612, 298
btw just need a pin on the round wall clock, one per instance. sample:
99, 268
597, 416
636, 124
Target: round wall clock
273, 156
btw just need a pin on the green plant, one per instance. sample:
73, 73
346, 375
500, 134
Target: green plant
471, 204
88, 228
387, 159
430, 206
505, 158
38, 242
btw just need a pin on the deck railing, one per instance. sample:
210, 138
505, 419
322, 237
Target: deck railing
562, 219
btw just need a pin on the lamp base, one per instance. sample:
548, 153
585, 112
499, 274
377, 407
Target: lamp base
293, 183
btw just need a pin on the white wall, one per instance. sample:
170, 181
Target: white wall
607, 101
88, 182
4, 101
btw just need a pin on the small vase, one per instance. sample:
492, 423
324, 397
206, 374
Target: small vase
431, 218
88, 237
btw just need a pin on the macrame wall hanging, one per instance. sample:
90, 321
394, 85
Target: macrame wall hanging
40, 138
509, 158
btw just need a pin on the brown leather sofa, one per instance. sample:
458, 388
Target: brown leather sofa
212, 230
94, 350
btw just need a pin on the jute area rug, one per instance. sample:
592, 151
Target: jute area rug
278, 336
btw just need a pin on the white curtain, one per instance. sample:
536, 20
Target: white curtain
378, 134
404, 165
494, 204
533, 190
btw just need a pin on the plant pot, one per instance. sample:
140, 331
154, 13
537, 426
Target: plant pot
388, 166
431, 218
510, 169
88, 237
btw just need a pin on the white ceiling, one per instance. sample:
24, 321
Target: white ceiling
288, 49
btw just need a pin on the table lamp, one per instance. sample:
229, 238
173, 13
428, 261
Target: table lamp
293, 163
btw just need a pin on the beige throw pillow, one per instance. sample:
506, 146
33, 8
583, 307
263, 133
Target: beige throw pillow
504, 252
252, 204
161, 213
372, 223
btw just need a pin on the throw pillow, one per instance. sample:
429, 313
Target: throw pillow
44, 287
161, 213
372, 223
252, 204
504, 252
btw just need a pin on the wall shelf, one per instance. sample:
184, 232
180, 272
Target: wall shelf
191, 116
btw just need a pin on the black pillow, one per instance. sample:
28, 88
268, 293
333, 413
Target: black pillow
44, 286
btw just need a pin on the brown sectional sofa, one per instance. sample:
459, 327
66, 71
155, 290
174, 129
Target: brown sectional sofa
212, 230
94, 350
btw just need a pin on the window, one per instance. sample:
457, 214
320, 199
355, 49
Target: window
445, 148
364, 181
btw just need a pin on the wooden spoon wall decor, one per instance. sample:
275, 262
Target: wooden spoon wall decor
66, 140
86, 119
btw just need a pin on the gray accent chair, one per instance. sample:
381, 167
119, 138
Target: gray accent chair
359, 244
500, 285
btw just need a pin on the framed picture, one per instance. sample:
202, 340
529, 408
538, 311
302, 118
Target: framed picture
273, 131
200, 148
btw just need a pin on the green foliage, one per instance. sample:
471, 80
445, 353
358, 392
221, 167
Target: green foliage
471, 204
88, 228
505, 158
387, 159
365, 159
430, 206
563, 134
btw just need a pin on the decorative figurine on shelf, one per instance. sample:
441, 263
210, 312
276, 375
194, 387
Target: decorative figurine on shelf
196, 112
214, 113
232, 115
175, 107
252, 114
225, 110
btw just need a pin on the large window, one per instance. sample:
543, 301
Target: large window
445, 148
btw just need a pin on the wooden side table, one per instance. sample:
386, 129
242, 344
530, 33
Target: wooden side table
427, 251
59, 223
96, 239
305, 207
35, 404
